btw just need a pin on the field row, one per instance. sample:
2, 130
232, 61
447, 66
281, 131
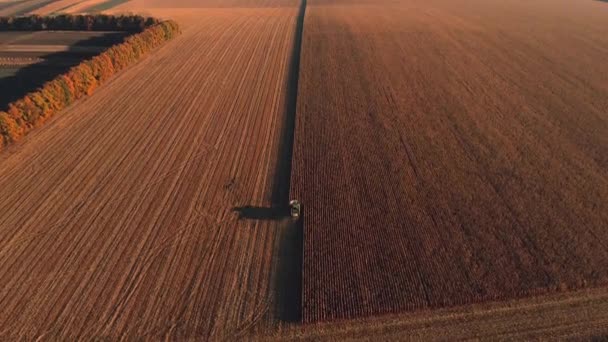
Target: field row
450, 153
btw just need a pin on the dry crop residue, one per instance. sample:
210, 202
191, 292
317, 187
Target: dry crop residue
117, 217
450, 152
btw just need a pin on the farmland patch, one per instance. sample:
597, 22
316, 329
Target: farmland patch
448, 154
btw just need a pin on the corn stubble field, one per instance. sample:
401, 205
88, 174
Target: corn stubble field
450, 157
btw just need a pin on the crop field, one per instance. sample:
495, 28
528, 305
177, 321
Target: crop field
29, 59
449, 153
87, 6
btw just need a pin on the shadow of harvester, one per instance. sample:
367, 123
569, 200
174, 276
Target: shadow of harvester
262, 213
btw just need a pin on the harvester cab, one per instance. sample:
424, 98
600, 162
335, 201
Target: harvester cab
295, 208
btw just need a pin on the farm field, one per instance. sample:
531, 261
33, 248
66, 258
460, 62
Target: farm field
21, 7
29, 59
86, 6
51, 7
61, 38
450, 152
128, 215
154, 208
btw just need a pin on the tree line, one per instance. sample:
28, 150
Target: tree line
36, 107
84, 22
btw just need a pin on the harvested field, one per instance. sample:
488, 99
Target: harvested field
56, 7
105, 6
578, 316
45, 49
87, 6
450, 152
208, 4
78, 6
21, 7
120, 217
7, 37
66, 38
52, 7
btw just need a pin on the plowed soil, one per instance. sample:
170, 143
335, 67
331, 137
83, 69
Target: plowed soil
448, 153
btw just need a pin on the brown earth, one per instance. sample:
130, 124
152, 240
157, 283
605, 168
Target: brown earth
450, 152
118, 215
